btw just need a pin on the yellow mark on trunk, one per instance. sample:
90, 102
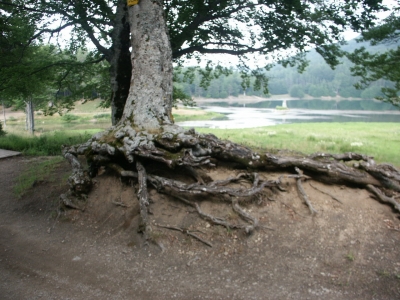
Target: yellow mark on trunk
132, 2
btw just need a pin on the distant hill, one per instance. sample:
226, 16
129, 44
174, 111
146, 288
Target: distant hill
318, 80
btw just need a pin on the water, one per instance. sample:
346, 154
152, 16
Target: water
244, 117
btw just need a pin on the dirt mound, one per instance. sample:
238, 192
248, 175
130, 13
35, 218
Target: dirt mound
348, 250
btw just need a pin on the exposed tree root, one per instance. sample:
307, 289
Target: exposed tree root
245, 216
323, 192
303, 194
147, 157
219, 221
187, 232
382, 197
144, 226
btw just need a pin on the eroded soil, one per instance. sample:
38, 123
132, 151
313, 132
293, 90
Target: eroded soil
349, 250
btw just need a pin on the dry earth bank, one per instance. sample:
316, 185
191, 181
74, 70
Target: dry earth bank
349, 250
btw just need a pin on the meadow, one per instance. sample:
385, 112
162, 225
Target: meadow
380, 140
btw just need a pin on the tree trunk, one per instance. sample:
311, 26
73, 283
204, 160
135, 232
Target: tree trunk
120, 61
30, 122
4, 114
149, 103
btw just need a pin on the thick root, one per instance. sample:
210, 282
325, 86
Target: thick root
133, 154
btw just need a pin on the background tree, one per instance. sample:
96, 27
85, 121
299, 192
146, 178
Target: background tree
372, 67
33, 73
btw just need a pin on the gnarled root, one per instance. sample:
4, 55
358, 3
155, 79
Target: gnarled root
303, 194
181, 154
143, 201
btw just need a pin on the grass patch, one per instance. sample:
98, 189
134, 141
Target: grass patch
37, 172
44, 145
350, 256
103, 116
68, 118
380, 140
89, 107
200, 117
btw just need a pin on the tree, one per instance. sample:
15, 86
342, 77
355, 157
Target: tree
230, 27
20, 59
2, 132
31, 73
296, 91
372, 67
145, 143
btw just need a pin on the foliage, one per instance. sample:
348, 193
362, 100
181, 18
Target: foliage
383, 65
297, 91
2, 132
68, 118
51, 77
282, 30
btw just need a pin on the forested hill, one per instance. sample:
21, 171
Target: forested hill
318, 80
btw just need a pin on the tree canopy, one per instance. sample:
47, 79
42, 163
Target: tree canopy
372, 67
280, 29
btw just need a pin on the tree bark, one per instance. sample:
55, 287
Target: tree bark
120, 61
4, 114
30, 121
149, 102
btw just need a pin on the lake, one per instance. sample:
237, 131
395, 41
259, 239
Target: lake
245, 117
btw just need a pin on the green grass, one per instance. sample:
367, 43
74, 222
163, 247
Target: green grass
202, 117
380, 140
68, 118
89, 107
106, 116
37, 171
46, 144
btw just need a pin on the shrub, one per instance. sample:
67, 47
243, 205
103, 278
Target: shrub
68, 118
47, 144
2, 132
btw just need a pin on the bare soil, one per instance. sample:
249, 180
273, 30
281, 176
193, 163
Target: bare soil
349, 250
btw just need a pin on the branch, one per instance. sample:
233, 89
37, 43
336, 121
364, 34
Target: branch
188, 32
203, 50
60, 63
52, 31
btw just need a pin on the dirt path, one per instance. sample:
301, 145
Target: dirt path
347, 251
